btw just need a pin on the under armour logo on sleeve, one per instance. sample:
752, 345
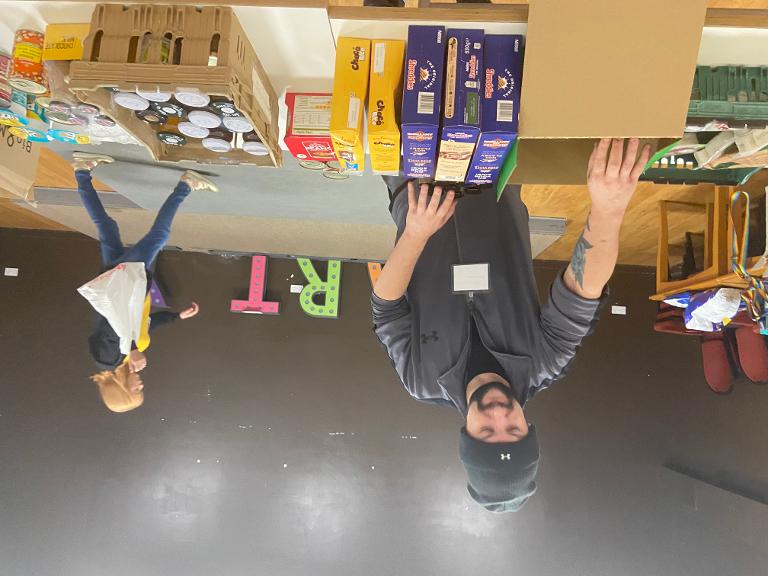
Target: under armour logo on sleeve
506, 456
426, 337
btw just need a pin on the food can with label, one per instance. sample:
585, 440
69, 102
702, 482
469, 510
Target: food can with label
105, 121
204, 118
172, 138
156, 95
192, 97
27, 133
130, 100
169, 109
218, 140
27, 73
193, 130
151, 116
5, 87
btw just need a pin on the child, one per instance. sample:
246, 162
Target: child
119, 383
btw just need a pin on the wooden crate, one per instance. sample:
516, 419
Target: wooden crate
166, 47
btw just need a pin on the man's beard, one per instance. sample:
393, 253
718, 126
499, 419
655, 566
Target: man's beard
480, 393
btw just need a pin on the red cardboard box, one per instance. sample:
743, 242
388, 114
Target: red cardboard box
308, 128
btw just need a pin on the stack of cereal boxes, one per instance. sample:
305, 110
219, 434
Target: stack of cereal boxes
372, 68
503, 60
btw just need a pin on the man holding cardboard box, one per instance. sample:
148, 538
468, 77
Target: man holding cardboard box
457, 309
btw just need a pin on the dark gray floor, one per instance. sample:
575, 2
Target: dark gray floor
237, 465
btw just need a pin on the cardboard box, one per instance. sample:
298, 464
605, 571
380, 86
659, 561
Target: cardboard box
461, 105
308, 130
129, 47
350, 88
18, 166
602, 78
503, 66
422, 94
65, 41
384, 99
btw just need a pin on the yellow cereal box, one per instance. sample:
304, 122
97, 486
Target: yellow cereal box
350, 87
384, 98
65, 41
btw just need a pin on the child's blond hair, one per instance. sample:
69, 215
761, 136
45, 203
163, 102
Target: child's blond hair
114, 391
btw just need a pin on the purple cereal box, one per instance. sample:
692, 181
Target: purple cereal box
461, 105
422, 93
503, 61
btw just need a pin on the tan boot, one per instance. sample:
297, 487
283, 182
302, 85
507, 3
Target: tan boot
198, 182
88, 161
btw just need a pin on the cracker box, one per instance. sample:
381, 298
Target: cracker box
308, 130
384, 95
65, 41
503, 63
350, 87
461, 105
422, 93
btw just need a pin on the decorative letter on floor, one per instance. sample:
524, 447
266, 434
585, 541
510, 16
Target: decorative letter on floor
255, 303
374, 269
320, 298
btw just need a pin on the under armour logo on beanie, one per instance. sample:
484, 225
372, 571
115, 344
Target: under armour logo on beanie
501, 476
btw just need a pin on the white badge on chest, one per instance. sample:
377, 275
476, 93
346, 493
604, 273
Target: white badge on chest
471, 278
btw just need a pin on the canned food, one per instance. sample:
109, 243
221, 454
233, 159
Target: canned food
171, 138
151, 116
102, 120
333, 174
69, 137
27, 62
130, 100
192, 97
154, 95
217, 145
312, 165
204, 119
239, 124
225, 108
86, 109
169, 109
257, 149
68, 118
27, 133
8, 118
193, 130
58, 106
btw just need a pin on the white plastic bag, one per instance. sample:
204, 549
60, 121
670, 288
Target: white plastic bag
118, 295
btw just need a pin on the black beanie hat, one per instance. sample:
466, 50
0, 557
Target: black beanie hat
502, 475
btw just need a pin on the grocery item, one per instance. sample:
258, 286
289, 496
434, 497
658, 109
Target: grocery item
350, 88
204, 118
27, 73
5, 87
503, 65
130, 100
64, 41
313, 165
333, 174
171, 138
151, 116
68, 137
422, 90
67, 118
193, 130
86, 109
156, 95
461, 105
385, 97
252, 144
105, 121
307, 133
192, 97
239, 124
218, 140
169, 109
27, 133
10, 118
224, 108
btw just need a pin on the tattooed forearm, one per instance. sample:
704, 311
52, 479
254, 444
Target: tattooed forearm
579, 258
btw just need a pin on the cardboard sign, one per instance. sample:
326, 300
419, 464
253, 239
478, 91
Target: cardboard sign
18, 165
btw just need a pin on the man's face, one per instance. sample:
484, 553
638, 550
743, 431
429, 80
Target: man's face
494, 415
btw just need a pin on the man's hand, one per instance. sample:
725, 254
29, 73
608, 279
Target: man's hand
136, 361
189, 312
427, 215
612, 177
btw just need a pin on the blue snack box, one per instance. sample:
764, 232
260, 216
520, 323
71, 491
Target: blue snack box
503, 60
461, 106
422, 93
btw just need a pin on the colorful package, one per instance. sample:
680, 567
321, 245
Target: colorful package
383, 102
308, 130
503, 62
461, 106
350, 88
422, 93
